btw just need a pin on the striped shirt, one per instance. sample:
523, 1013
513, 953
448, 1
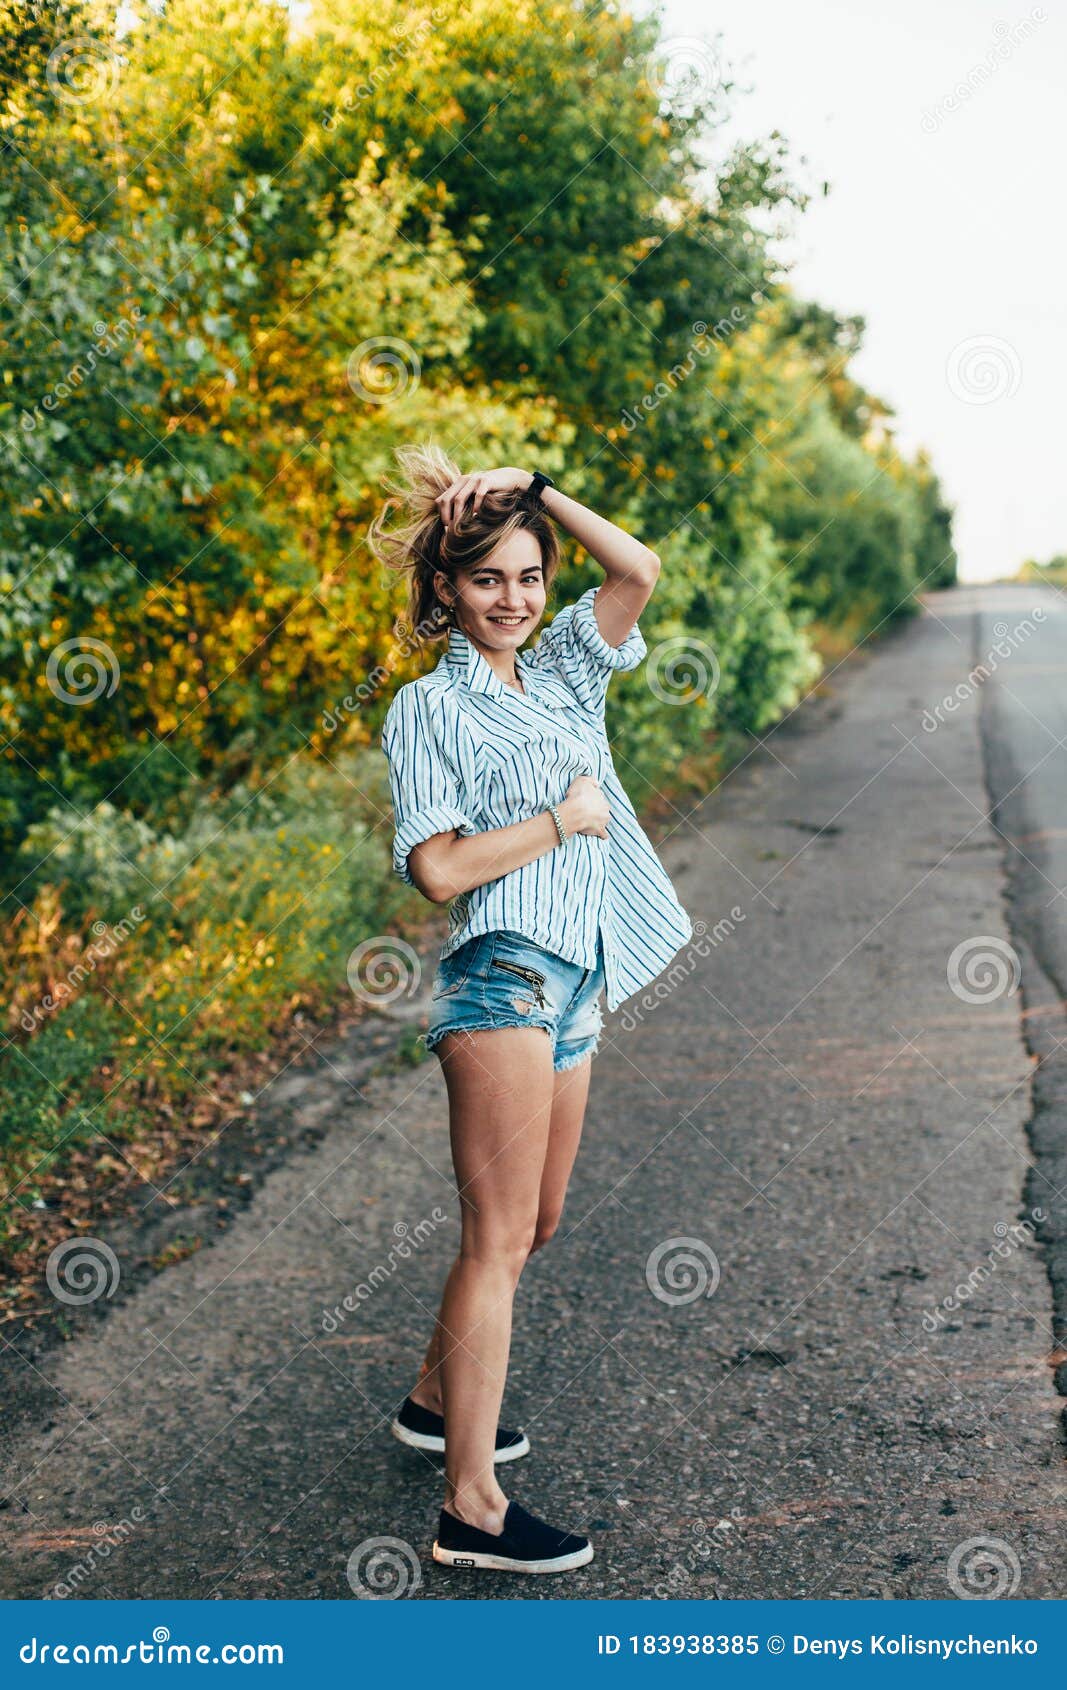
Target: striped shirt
468, 752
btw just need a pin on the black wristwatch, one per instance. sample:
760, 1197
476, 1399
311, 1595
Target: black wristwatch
538, 482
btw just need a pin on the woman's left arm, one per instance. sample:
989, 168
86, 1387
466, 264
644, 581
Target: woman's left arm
630, 569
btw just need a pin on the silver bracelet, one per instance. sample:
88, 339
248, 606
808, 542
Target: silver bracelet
560, 829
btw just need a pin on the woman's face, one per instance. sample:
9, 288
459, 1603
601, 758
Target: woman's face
499, 603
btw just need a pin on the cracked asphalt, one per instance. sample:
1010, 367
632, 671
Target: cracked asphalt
796, 1335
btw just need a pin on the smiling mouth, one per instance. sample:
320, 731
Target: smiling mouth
507, 621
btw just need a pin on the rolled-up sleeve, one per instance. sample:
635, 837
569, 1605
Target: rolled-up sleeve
574, 645
423, 777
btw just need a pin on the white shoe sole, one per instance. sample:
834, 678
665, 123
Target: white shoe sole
467, 1559
431, 1445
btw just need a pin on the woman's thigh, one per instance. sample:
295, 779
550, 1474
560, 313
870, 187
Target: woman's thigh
570, 1094
500, 1097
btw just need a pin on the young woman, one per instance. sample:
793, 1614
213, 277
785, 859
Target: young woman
507, 808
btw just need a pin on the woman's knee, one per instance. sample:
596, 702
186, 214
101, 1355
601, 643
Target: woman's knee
501, 1251
545, 1228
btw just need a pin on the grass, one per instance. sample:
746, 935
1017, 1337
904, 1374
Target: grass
144, 972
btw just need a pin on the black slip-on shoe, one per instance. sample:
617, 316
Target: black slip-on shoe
526, 1545
423, 1429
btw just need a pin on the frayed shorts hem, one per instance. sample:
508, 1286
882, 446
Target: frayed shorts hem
489, 1023
575, 1057
485, 1024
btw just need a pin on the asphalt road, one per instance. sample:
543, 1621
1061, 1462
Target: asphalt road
849, 1391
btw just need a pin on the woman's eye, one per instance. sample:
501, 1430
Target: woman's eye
487, 581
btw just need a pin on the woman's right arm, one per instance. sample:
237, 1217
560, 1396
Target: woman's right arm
449, 864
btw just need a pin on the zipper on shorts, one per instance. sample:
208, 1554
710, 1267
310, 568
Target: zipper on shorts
530, 975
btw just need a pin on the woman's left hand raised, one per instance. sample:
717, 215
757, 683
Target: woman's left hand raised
475, 486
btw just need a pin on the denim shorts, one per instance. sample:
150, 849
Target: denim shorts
503, 979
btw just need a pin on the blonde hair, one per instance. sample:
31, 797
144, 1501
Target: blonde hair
417, 545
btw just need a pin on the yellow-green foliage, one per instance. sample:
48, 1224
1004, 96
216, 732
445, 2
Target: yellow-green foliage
239, 266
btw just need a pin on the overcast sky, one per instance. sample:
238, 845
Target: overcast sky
940, 127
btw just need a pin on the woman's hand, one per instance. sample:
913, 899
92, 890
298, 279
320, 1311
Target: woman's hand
475, 486
585, 809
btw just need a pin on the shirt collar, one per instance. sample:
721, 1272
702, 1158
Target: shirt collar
475, 672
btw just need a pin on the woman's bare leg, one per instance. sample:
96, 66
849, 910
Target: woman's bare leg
569, 1096
427, 1390
500, 1093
